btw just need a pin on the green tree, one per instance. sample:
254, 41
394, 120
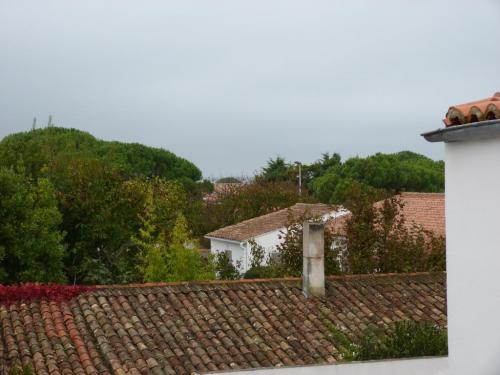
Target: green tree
185, 260
225, 268
153, 256
402, 171
290, 249
101, 214
257, 254
31, 246
234, 205
53, 145
100, 190
320, 167
99, 219
176, 260
378, 239
277, 170
260, 267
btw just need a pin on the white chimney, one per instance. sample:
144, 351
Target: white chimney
472, 175
313, 276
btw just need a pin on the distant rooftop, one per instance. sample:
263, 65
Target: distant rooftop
423, 209
267, 223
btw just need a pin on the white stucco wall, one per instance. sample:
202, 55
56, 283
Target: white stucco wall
237, 252
473, 256
420, 366
268, 241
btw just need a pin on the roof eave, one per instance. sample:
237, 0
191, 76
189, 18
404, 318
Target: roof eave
466, 132
223, 239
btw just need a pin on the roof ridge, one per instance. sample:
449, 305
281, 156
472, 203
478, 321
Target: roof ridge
384, 275
201, 282
216, 233
252, 218
266, 280
410, 193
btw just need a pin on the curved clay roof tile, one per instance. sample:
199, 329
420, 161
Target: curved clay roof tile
479, 110
492, 112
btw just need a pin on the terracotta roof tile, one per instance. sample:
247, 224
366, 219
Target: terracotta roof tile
480, 110
266, 223
424, 209
181, 328
221, 189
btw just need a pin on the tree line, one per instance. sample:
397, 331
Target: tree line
330, 180
75, 209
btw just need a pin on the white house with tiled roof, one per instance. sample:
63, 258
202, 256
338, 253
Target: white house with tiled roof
265, 230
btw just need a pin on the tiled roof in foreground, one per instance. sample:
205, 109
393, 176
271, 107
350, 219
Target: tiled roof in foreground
185, 328
267, 223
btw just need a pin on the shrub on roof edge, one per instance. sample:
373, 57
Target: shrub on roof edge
403, 339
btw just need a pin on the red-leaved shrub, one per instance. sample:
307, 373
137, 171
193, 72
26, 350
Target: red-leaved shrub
28, 292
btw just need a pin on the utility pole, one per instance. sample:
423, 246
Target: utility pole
300, 177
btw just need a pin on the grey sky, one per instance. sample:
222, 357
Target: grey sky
229, 84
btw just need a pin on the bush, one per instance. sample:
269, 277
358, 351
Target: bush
225, 268
290, 250
260, 272
378, 239
406, 339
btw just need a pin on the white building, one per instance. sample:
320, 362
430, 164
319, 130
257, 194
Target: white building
264, 230
472, 172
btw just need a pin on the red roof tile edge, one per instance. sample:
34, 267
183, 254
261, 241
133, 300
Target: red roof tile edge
476, 111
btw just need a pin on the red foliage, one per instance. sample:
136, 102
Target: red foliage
28, 292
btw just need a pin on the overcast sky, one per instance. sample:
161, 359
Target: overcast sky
229, 84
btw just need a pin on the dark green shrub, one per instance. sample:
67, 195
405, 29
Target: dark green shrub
225, 268
406, 339
260, 272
